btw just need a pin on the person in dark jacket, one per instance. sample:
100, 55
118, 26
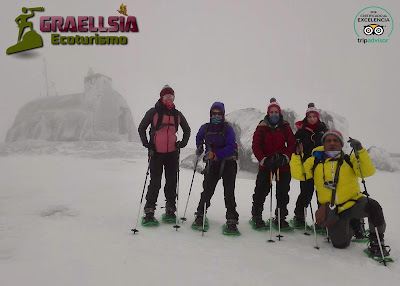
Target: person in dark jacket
219, 138
273, 145
163, 147
309, 134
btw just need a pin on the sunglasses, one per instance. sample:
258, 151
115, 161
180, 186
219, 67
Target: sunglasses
216, 113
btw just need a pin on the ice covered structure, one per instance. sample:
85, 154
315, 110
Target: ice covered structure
98, 114
383, 160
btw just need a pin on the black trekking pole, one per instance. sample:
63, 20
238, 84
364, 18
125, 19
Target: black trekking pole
176, 226
135, 230
270, 209
312, 214
367, 195
190, 189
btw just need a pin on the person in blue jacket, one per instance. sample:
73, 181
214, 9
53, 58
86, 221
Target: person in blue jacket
220, 156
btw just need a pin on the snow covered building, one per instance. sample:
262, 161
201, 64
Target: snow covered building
98, 114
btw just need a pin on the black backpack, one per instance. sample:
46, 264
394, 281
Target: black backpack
223, 133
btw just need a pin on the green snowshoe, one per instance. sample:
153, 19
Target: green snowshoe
230, 228
168, 217
284, 224
198, 224
258, 224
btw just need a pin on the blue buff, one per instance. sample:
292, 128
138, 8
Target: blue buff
216, 120
273, 118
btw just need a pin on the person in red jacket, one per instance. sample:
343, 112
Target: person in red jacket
273, 145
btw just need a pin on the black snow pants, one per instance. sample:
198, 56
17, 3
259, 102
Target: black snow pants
211, 178
341, 232
262, 189
169, 162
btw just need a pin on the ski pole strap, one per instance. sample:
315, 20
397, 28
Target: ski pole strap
335, 181
221, 169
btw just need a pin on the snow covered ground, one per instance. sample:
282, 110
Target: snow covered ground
66, 210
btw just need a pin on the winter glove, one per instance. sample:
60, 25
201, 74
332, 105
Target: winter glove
178, 144
151, 148
355, 144
280, 160
269, 163
199, 150
299, 147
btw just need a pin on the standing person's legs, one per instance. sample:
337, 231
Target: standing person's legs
304, 199
282, 194
229, 180
156, 168
171, 165
261, 191
209, 184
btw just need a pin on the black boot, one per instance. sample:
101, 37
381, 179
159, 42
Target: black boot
148, 218
170, 213
373, 246
298, 221
357, 226
258, 223
284, 224
231, 227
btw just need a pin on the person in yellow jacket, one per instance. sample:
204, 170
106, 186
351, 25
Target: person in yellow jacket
349, 200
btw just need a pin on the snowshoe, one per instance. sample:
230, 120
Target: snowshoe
297, 223
257, 223
149, 221
284, 224
169, 217
198, 223
373, 251
230, 228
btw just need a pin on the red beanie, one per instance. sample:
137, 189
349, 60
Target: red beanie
166, 90
311, 109
335, 133
273, 103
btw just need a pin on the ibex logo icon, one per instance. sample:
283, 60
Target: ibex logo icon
31, 39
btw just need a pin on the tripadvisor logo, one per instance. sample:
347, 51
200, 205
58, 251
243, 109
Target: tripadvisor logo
31, 39
373, 25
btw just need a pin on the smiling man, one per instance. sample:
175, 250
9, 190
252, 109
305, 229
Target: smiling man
335, 171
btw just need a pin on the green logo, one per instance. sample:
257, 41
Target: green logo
31, 39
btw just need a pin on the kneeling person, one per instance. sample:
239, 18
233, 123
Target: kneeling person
333, 170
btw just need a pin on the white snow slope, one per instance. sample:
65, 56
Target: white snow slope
66, 220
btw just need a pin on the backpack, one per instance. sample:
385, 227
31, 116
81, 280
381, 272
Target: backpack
223, 133
160, 125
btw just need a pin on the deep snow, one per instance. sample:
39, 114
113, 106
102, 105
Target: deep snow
66, 211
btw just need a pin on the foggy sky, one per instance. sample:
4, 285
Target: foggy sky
239, 52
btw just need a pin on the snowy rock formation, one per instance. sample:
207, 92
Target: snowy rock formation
98, 114
383, 160
245, 121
